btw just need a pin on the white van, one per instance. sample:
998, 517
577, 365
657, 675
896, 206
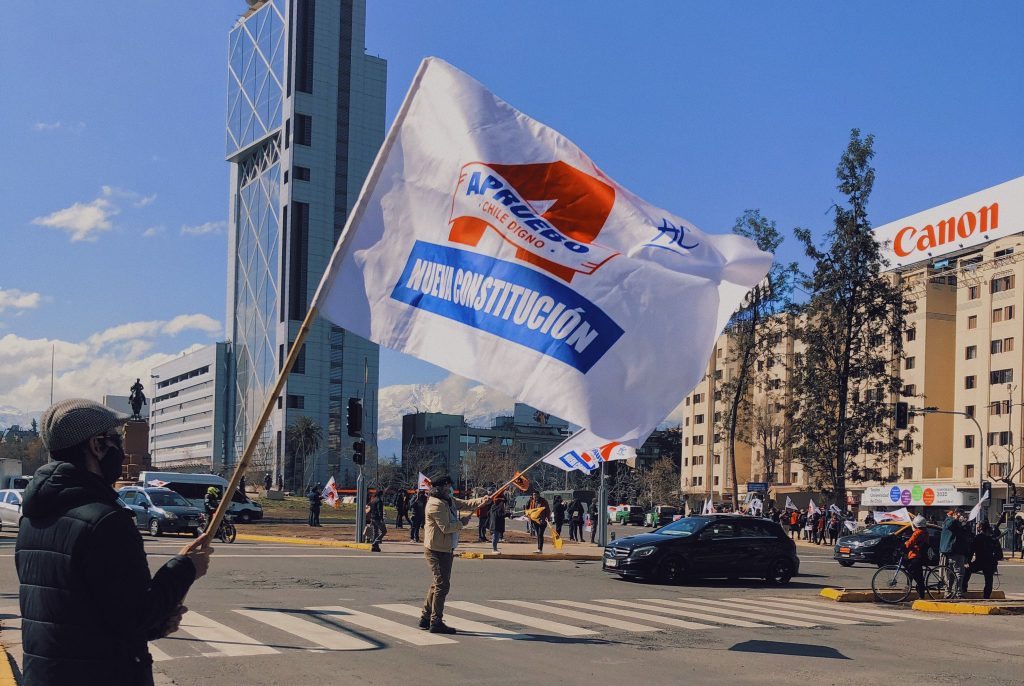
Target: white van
193, 488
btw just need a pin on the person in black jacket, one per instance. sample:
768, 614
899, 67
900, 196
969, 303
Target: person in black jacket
419, 506
380, 529
315, 498
558, 514
984, 558
496, 515
401, 508
88, 602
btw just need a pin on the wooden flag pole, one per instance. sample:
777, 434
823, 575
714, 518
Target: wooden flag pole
243, 462
537, 462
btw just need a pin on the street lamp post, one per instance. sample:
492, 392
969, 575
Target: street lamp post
981, 442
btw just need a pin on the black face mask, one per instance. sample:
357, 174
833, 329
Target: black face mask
112, 463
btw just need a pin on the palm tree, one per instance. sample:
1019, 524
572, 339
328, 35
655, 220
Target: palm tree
304, 436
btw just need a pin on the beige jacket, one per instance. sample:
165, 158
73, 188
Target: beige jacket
442, 522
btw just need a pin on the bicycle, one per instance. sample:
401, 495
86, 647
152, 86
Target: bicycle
943, 582
892, 583
227, 531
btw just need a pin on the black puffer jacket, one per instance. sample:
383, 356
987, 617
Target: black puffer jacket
88, 603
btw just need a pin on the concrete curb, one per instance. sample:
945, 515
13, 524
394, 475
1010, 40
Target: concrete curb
256, 538
861, 595
531, 557
952, 607
6, 673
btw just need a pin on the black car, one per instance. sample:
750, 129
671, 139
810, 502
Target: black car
880, 544
161, 510
730, 546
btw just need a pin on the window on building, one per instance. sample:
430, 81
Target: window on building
969, 471
910, 390
997, 315
793, 477
304, 32
303, 129
718, 352
1001, 376
1002, 253
969, 411
972, 322
774, 384
700, 480
716, 481
908, 473
1003, 283
297, 261
687, 401
698, 419
296, 402
970, 352
697, 397
1008, 312
999, 407
970, 382
973, 293
996, 346
718, 459
717, 438
686, 441
718, 374
693, 481
999, 438
718, 395
911, 334
686, 462
286, 176
910, 362
1007, 345
301, 173
998, 470
718, 417
969, 441
908, 445
686, 422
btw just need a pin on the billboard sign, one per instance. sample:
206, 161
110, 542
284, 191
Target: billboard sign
918, 494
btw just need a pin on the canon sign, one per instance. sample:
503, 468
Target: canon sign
977, 218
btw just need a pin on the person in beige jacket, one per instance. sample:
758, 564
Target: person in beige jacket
441, 532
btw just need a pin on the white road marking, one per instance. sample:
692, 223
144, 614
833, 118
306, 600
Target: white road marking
718, 608
459, 623
321, 635
706, 616
157, 654
823, 610
755, 606
645, 616
222, 638
402, 632
859, 610
583, 616
525, 620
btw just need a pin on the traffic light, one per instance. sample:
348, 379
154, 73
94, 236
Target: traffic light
359, 452
986, 490
355, 417
902, 415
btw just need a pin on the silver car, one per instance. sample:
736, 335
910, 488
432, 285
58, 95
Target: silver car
10, 508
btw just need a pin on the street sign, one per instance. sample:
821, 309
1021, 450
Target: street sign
754, 486
1009, 507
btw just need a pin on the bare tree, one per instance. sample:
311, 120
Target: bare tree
769, 435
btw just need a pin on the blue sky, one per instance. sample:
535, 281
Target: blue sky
113, 130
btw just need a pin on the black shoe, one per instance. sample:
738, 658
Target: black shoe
424, 622
441, 628
375, 548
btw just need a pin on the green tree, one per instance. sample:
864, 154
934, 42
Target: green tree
852, 332
754, 333
304, 437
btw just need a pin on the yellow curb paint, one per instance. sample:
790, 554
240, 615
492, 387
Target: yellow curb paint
6, 674
528, 557
953, 608
255, 538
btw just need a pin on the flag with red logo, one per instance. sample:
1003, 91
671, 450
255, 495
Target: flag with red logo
489, 244
330, 493
423, 483
585, 452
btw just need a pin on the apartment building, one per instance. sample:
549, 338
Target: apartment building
963, 264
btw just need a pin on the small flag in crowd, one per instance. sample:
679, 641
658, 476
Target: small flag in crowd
585, 452
900, 515
833, 508
976, 510
812, 507
709, 507
330, 493
423, 484
790, 505
851, 525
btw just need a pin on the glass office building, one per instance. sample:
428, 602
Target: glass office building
305, 117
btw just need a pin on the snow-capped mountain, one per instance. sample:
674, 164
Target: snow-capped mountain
453, 395
11, 416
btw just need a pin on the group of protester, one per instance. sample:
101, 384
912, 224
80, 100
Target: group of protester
820, 528
964, 549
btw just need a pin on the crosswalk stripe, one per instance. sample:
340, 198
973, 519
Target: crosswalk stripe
572, 614
824, 611
458, 623
157, 654
525, 620
222, 638
646, 616
712, 606
859, 611
321, 635
754, 606
402, 632
706, 616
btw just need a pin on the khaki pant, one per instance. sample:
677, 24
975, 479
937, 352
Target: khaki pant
441, 569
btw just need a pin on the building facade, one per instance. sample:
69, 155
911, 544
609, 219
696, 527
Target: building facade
962, 263
188, 411
305, 120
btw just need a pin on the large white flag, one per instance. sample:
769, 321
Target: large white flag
812, 507
900, 515
790, 505
709, 507
976, 510
489, 244
585, 451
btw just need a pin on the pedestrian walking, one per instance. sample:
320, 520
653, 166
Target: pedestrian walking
376, 512
419, 505
593, 519
241, 485
575, 515
558, 515
88, 603
917, 549
821, 529
496, 515
267, 482
833, 529
794, 524
540, 515
483, 517
401, 508
986, 554
314, 506
869, 520
441, 530
954, 546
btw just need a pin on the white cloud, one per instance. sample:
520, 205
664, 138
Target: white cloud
136, 199
152, 231
203, 229
73, 127
18, 300
453, 395
81, 220
108, 361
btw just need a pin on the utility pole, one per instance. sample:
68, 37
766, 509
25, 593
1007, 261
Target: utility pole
602, 509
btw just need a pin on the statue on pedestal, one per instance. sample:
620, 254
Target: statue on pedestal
137, 399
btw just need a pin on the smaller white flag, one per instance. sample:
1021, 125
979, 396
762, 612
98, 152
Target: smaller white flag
900, 515
812, 507
330, 493
835, 509
851, 525
709, 507
585, 452
423, 484
976, 510
755, 504
790, 505
157, 483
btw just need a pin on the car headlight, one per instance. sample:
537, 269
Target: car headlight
170, 515
870, 543
645, 551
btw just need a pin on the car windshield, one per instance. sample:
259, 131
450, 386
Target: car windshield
882, 529
168, 499
687, 526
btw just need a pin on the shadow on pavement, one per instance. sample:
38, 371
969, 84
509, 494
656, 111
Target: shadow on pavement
796, 649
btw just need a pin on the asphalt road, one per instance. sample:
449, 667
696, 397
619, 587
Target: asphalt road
271, 614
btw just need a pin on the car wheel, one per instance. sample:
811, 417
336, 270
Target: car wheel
244, 517
845, 563
780, 572
154, 527
672, 570
195, 533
